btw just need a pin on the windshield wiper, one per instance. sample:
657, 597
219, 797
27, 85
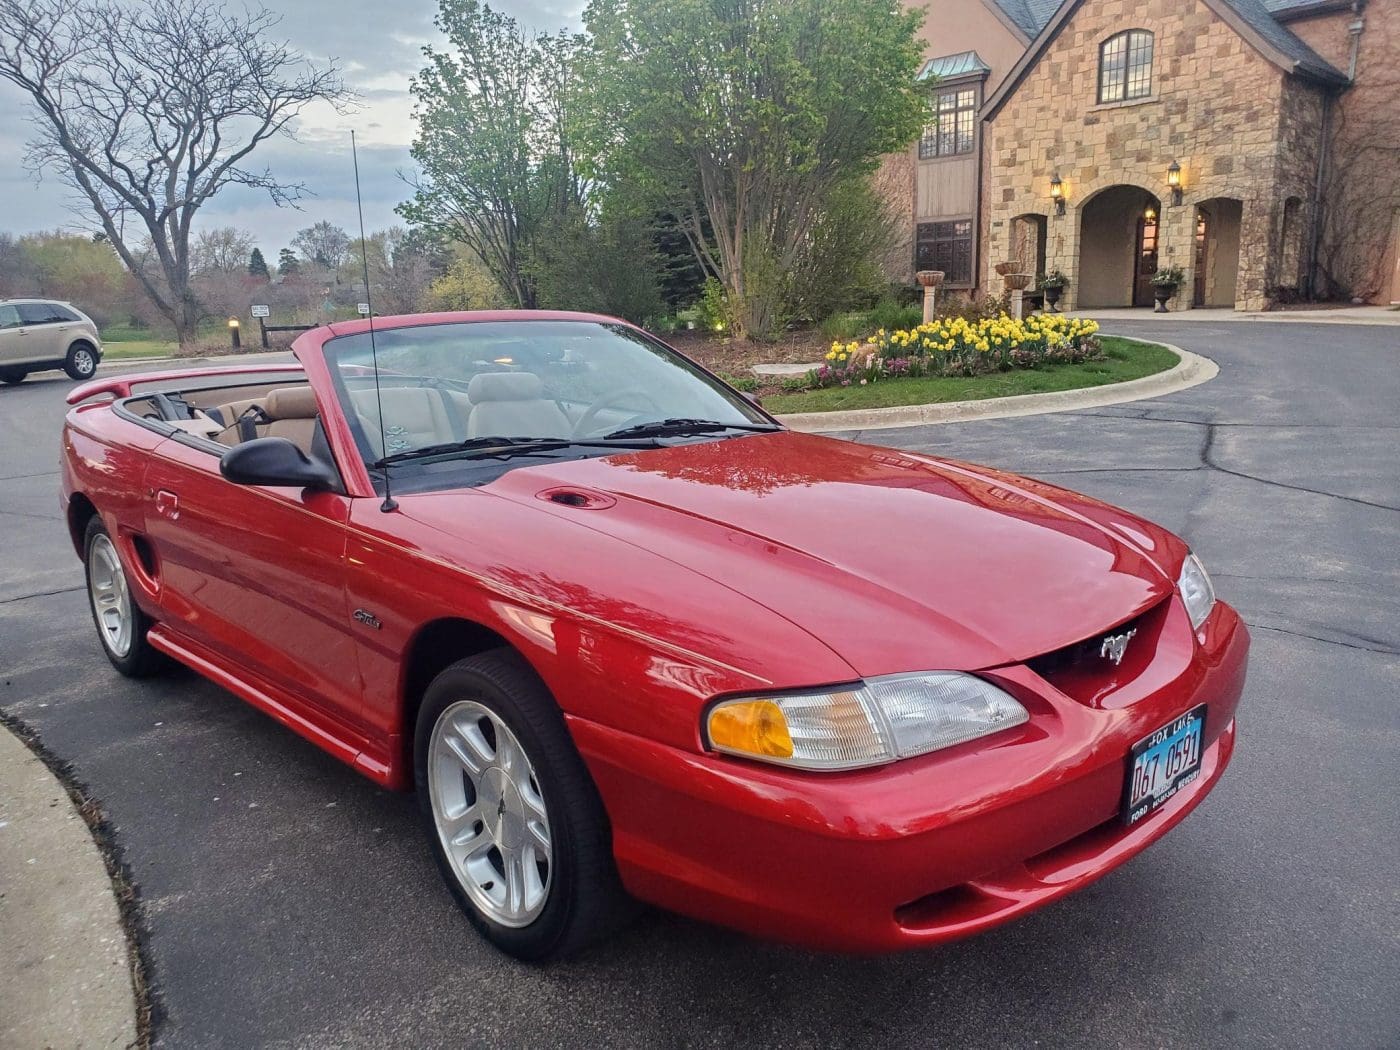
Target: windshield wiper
680, 425
500, 447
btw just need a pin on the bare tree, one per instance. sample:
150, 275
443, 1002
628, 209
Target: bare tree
324, 243
224, 249
148, 110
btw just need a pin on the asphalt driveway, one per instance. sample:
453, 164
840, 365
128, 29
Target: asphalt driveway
291, 902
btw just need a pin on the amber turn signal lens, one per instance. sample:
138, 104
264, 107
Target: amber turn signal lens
755, 727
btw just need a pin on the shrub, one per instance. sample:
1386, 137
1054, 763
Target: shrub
744, 384
712, 311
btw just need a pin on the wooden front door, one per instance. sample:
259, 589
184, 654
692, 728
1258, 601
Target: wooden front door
1145, 258
1198, 297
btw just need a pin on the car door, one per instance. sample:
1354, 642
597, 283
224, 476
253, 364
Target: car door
41, 333
256, 574
11, 337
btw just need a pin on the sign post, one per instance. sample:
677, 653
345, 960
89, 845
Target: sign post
261, 312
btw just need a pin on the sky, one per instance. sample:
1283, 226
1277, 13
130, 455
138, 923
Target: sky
376, 59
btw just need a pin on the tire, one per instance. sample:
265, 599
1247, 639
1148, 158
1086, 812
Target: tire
12, 375
572, 897
81, 362
110, 601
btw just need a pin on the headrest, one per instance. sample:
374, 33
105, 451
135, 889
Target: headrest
505, 386
291, 402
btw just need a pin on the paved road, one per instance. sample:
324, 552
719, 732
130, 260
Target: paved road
291, 902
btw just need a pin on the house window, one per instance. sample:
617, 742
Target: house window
955, 114
1125, 66
945, 246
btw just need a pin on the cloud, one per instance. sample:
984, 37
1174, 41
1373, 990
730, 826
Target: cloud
377, 63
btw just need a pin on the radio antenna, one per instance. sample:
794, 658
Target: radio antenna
389, 503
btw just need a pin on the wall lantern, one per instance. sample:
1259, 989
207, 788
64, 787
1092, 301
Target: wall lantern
1174, 181
1057, 193
233, 339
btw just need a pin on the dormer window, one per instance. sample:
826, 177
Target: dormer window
1125, 66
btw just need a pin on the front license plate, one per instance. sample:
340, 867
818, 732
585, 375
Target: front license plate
1162, 764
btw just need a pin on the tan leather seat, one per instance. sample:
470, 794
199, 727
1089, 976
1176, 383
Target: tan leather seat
288, 412
231, 413
414, 416
292, 410
512, 404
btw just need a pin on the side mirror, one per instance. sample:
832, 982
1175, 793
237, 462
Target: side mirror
753, 398
274, 461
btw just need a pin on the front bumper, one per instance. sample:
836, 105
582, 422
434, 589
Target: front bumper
924, 850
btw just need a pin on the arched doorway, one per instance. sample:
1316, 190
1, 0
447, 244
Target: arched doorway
1118, 245
1217, 260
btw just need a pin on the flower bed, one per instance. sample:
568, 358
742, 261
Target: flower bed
958, 347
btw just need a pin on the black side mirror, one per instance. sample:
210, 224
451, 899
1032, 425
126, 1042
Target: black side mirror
274, 461
752, 398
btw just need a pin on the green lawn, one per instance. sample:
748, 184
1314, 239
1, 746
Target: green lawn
1124, 359
114, 350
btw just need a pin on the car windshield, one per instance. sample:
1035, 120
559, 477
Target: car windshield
450, 389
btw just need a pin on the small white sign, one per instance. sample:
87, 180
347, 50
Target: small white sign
364, 309
261, 311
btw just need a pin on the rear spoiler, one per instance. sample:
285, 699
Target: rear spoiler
120, 386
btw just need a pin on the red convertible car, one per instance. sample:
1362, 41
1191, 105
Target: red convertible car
628, 637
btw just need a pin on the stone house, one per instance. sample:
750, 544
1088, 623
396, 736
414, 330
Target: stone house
1253, 143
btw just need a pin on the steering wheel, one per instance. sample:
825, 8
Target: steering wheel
620, 397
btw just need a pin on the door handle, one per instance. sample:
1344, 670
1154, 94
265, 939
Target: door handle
168, 504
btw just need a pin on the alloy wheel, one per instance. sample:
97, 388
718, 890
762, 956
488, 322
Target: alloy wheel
83, 362
110, 596
490, 814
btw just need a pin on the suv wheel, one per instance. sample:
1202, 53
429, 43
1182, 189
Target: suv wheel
81, 362
12, 375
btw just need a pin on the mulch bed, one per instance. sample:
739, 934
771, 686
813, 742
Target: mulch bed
736, 358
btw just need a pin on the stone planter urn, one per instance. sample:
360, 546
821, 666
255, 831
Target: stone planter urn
930, 279
1018, 282
1162, 293
1052, 296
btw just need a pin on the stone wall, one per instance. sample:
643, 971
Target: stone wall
1217, 107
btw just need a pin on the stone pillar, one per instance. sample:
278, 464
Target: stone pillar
1018, 303
930, 279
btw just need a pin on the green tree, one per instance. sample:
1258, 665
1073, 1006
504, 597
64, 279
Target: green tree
76, 268
493, 140
609, 265
288, 265
742, 117
257, 265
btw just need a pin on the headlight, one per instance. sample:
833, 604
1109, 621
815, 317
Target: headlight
872, 722
1196, 590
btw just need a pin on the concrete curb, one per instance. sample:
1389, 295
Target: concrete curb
65, 972
1191, 370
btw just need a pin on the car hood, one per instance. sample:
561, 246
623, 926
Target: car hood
896, 561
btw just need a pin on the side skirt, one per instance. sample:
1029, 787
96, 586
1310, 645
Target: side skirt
292, 713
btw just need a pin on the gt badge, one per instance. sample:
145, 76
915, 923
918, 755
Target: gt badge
368, 618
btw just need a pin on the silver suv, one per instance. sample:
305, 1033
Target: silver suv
36, 334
